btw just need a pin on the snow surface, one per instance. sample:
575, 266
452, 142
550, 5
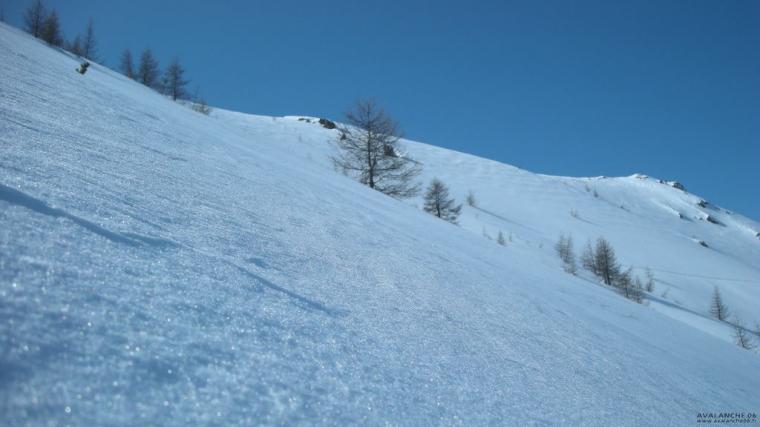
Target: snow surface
158, 266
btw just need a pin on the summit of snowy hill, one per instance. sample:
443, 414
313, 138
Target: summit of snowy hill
160, 266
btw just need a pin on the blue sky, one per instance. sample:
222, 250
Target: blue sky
581, 88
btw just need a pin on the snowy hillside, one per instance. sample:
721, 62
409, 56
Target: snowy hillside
649, 222
159, 266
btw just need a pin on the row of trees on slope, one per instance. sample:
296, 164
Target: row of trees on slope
46, 26
601, 261
171, 82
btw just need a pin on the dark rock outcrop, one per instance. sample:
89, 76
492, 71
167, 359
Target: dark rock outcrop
327, 124
83, 67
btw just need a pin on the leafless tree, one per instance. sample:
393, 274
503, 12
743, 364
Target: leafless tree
650, 281
588, 259
174, 82
368, 150
637, 291
606, 261
75, 46
566, 253
624, 282
629, 286
51, 29
34, 17
89, 44
147, 73
741, 336
199, 104
127, 65
438, 203
718, 309
500, 239
471, 201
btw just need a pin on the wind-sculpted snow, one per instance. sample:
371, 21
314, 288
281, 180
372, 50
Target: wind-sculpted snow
162, 267
15, 197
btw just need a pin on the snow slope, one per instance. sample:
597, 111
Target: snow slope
651, 224
158, 266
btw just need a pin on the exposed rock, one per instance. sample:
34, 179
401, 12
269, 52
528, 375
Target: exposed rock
712, 220
83, 67
676, 185
328, 124
702, 243
703, 203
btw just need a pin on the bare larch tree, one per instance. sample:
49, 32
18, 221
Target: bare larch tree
471, 200
741, 335
368, 150
147, 73
588, 260
127, 65
199, 104
51, 30
438, 203
629, 285
500, 239
637, 291
89, 44
174, 83
34, 17
606, 262
75, 46
650, 281
566, 253
717, 308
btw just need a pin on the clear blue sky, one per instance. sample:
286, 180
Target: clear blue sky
582, 88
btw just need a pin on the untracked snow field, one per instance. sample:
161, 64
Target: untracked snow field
162, 267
